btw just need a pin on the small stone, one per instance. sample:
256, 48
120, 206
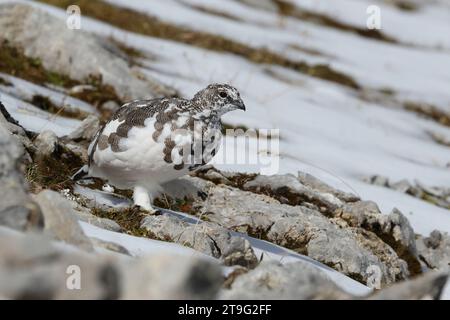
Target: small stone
426, 287
87, 129
379, 181
46, 143
110, 106
292, 281
402, 186
60, 219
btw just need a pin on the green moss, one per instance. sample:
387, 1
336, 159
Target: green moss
137, 22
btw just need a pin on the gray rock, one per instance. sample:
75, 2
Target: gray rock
434, 250
17, 210
426, 287
104, 223
77, 54
439, 196
33, 268
204, 237
171, 277
110, 106
320, 186
87, 129
379, 180
61, 220
348, 250
46, 143
217, 177
288, 189
271, 280
402, 186
394, 229
190, 187
13, 126
76, 148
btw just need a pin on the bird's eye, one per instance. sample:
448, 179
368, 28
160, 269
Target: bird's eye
223, 94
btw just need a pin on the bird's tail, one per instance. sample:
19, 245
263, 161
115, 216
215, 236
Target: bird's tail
81, 174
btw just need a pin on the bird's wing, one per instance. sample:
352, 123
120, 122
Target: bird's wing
133, 114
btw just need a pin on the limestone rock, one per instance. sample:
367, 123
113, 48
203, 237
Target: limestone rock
171, 277
46, 143
204, 237
292, 281
434, 250
307, 231
17, 210
426, 287
32, 268
315, 184
87, 129
394, 229
61, 220
288, 189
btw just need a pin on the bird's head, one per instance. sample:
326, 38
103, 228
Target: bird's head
219, 98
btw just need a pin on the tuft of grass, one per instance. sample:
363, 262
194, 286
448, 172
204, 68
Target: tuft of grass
138, 22
53, 171
182, 205
128, 218
237, 180
289, 9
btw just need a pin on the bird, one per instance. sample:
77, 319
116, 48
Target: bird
147, 143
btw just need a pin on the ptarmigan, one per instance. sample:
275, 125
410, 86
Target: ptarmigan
149, 142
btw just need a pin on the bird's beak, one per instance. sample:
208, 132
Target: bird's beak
240, 105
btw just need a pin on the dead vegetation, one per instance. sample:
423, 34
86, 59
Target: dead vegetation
132, 55
429, 111
54, 171
212, 11
405, 5
137, 22
129, 219
289, 9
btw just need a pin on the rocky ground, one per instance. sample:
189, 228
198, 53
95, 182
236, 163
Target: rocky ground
219, 234
348, 234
